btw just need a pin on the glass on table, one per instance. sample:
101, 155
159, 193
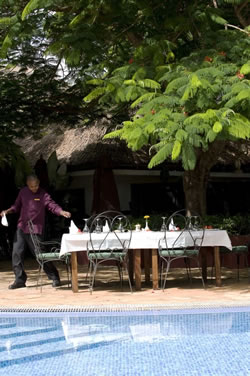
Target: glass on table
194, 222
98, 227
120, 226
86, 227
163, 226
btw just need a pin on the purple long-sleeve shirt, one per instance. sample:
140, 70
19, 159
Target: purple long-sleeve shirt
32, 206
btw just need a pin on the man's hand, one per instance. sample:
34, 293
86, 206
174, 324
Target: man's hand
65, 214
4, 212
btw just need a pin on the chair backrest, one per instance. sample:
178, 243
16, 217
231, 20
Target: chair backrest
188, 232
110, 231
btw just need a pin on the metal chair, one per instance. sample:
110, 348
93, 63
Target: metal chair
238, 251
47, 251
186, 242
110, 237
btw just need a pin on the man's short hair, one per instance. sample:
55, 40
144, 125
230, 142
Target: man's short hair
32, 177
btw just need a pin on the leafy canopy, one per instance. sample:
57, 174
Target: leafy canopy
185, 105
159, 57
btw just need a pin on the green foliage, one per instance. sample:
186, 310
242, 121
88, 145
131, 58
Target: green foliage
196, 102
176, 149
114, 134
239, 127
52, 166
217, 19
95, 81
234, 2
144, 98
31, 101
32, 4
217, 127
22, 170
8, 21
185, 77
234, 225
164, 151
7, 42
189, 157
96, 93
57, 173
245, 69
12, 155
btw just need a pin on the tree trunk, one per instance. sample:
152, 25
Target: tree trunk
195, 188
195, 181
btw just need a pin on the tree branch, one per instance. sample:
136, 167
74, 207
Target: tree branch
238, 28
215, 4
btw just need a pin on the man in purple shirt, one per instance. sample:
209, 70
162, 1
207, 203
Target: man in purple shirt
32, 202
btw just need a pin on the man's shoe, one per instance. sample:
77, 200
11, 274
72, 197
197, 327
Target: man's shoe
56, 283
16, 285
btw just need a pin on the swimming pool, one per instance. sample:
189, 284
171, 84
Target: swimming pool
196, 342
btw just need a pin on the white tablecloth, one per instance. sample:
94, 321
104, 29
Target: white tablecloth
142, 240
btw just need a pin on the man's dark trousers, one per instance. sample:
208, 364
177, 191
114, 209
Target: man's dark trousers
20, 241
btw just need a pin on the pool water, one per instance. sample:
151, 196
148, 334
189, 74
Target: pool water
145, 343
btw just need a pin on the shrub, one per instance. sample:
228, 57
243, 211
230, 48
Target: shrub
234, 225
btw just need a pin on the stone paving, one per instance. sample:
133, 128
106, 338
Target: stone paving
107, 291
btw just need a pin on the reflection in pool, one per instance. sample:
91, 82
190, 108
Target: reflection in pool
146, 343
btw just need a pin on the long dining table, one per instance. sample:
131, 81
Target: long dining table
145, 241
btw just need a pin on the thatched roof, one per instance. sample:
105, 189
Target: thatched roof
83, 148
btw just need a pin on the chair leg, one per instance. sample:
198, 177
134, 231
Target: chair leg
160, 262
203, 283
41, 278
238, 266
127, 271
92, 278
188, 269
118, 264
38, 278
165, 279
161, 268
162, 279
246, 261
245, 255
68, 271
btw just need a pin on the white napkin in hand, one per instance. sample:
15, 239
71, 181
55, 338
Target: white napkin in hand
73, 229
4, 220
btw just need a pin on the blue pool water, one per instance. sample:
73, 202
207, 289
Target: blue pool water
144, 343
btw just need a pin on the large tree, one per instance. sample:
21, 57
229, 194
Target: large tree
187, 108
186, 71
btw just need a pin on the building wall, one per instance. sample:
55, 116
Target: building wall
145, 185
124, 180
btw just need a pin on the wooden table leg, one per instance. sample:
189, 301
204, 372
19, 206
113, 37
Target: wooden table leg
137, 265
155, 269
203, 254
147, 265
217, 266
74, 272
131, 265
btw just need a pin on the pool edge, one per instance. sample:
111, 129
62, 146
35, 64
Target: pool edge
124, 307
